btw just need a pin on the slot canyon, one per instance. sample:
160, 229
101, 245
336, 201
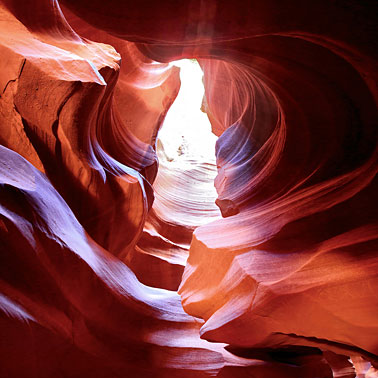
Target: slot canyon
247, 247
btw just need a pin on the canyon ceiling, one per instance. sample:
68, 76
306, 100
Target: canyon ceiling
113, 264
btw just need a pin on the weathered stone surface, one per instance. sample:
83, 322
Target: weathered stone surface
97, 280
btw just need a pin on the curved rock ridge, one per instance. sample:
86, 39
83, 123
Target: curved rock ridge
98, 280
142, 95
60, 95
83, 308
80, 300
302, 236
54, 100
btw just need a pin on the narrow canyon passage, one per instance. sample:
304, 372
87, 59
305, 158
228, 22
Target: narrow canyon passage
184, 186
241, 242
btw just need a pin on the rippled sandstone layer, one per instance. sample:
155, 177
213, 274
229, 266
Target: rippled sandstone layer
288, 278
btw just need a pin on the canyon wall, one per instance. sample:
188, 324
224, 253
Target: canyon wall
96, 280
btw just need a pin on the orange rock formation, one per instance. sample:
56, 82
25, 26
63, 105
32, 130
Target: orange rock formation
96, 281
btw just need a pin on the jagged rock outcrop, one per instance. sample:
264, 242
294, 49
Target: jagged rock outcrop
284, 285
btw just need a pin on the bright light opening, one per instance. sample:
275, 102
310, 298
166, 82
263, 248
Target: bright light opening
184, 187
186, 132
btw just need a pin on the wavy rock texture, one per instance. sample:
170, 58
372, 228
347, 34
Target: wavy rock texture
98, 280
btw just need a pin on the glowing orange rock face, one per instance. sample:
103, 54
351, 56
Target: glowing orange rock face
298, 263
288, 278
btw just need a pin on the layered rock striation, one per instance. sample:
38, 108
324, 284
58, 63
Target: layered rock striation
98, 280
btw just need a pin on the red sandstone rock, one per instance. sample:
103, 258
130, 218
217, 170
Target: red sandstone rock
288, 279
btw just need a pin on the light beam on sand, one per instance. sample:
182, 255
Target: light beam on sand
184, 187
